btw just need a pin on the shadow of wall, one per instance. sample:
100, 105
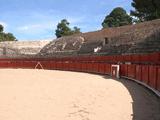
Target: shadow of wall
146, 105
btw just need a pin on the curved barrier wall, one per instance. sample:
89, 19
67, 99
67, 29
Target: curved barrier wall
143, 68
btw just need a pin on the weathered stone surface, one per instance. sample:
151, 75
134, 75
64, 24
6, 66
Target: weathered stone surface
63, 46
21, 48
149, 45
139, 38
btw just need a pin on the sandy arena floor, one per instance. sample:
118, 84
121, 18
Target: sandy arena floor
58, 95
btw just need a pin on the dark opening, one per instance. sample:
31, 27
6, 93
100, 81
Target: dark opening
106, 41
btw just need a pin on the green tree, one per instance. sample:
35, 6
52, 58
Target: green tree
76, 30
6, 36
63, 29
1, 28
118, 17
146, 10
10, 37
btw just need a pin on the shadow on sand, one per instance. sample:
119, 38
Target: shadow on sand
146, 105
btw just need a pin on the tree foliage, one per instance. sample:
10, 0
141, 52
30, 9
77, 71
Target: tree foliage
6, 36
76, 30
146, 10
63, 29
1, 28
118, 17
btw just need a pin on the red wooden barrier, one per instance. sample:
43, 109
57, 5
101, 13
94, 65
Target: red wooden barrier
52, 64
127, 58
122, 70
107, 68
12, 64
4, 64
84, 67
135, 58
126, 70
119, 58
67, 65
90, 67
152, 76
71, 66
94, 67
103, 68
44, 65
74, 66
138, 72
56, 65
97, 67
158, 79
79, 66
29, 64
64, 66
87, 67
132, 71
145, 58
100, 68
154, 58
145, 74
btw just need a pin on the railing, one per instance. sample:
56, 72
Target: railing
143, 68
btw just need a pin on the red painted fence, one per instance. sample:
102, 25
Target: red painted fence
144, 68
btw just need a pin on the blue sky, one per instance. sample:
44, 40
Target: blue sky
37, 19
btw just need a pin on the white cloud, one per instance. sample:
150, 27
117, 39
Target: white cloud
48, 24
35, 27
76, 20
29, 27
43, 25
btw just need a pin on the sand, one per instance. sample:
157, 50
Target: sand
59, 95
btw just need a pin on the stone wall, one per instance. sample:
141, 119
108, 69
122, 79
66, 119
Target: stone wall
21, 48
123, 40
62, 46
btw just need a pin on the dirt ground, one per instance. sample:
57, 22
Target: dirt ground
59, 95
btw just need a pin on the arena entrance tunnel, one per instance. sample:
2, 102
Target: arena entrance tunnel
141, 103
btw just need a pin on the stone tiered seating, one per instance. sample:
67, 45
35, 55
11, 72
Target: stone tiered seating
88, 47
62, 46
151, 44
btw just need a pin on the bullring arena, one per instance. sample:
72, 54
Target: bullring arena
110, 74
76, 93
44, 94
